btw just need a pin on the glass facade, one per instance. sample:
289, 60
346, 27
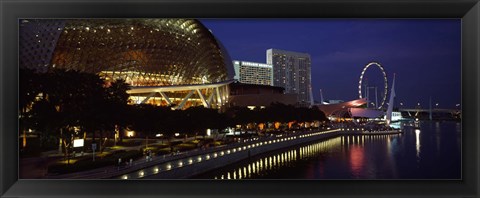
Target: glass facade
144, 52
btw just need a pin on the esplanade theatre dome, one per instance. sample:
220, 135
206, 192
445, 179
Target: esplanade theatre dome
164, 60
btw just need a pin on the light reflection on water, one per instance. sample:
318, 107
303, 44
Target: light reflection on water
432, 152
417, 142
280, 160
356, 160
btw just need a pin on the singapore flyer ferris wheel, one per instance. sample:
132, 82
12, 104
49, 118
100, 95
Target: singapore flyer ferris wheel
360, 82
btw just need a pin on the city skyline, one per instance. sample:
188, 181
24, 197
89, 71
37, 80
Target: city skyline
156, 99
413, 49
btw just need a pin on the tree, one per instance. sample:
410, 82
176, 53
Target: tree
29, 89
80, 101
150, 120
43, 117
109, 105
240, 116
200, 119
61, 91
86, 102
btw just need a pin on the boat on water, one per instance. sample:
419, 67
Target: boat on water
397, 117
412, 123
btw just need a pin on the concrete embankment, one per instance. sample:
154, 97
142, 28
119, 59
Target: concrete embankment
390, 132
193, 164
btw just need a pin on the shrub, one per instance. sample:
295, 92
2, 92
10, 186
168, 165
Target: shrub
88, 164
185, 147
163, 151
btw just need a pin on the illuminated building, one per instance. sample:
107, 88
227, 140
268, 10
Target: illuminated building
335, 101
174, 62
341, 109
253, 73
292, 70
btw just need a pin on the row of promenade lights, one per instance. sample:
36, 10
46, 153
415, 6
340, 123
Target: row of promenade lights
199, 159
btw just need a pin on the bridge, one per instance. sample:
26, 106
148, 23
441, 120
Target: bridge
436, 112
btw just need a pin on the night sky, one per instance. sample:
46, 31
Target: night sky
424, 54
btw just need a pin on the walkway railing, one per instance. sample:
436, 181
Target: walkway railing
199, 157
158, 164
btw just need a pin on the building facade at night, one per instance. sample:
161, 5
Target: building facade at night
251, 95
342, 109
253, 73
292, 70
176, 62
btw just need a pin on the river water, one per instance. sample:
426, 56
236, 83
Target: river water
431, 152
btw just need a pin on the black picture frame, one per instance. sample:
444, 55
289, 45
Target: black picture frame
11, 11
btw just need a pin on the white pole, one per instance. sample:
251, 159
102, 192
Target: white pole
321, 97
368, 97
430, 116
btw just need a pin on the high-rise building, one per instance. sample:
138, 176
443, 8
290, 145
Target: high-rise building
292, 71
253, 73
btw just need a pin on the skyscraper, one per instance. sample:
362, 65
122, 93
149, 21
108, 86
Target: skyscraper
253, 73
292, 70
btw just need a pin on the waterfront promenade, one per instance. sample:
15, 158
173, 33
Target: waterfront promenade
162, 165
189, 163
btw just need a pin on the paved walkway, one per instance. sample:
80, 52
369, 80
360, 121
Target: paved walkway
124, 168
37, 166
115, 171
